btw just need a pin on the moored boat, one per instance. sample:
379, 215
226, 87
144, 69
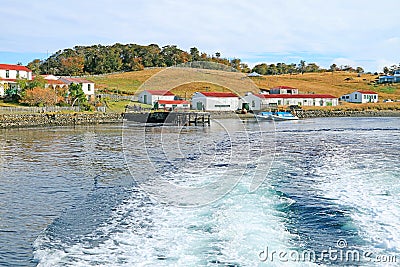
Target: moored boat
276, 116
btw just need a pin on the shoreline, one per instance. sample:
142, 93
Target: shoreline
8, 121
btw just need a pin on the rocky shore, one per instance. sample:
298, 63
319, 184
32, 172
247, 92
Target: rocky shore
348, 113
57, 119
70, 119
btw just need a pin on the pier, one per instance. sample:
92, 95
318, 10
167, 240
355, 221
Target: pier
172, 118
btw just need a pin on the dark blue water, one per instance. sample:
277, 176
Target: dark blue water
76, 196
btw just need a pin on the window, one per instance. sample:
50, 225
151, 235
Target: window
222, 106
88, 87
355, 96
7, 74
17, 73
253, 104
374, 96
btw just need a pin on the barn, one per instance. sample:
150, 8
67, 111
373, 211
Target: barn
215, 101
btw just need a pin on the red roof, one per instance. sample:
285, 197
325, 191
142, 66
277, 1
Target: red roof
13, 67
172, 102
219, 94
75, 80
367, 92
284, 87
54, 82
160, 92
294, 96
8, 80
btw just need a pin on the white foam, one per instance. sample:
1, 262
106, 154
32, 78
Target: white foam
368, 185
233, 230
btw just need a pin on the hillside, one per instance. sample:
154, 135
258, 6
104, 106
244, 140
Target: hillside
336, 83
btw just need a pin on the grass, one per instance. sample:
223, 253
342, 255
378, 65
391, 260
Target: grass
119, 106
388, 89
8, 104
186, 91
336, 83
122, 83
359, 107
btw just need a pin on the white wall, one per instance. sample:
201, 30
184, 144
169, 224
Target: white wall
297, 101
153, 98
88, 88
2, 90
254, 101
357, 97
215, 103
13, 74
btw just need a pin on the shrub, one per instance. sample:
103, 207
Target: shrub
40, 97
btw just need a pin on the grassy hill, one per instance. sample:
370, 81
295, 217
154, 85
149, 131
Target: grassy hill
336, 83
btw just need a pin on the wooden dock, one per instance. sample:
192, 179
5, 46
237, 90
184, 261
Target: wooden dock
172, 118
190, 118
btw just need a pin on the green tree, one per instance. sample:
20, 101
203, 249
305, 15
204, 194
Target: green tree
333, 67
302, 66
235, 63
34, 66
385, 70
195, 54
359, 70
76, 94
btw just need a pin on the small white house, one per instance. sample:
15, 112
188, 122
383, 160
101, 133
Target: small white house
150, 97
215, 101
49, 77
53, 81
361, 96
262, 101
284, 90
9, 75
173, 104
87, 86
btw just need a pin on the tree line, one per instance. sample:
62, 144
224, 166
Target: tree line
100, 59
103, 59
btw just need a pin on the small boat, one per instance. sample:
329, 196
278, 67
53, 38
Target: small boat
276, 116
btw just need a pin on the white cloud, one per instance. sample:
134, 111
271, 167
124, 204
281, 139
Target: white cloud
360, 31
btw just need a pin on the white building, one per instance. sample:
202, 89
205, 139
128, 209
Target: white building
9, 75
53, 81
215, 101
361, 96
150, 97
263, 101
284, 90
87, 86
173, 104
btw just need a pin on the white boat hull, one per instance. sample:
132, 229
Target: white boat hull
279, 116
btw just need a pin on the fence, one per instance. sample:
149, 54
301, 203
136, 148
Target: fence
118, 97
37, 109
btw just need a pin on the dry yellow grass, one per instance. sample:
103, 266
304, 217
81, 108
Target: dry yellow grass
329, 83
319, 83
186, 91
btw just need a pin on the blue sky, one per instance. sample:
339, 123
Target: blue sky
358, 33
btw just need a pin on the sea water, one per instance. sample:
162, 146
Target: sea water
325, 187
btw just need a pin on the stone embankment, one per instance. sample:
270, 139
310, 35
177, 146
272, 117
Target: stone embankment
57, 119
346, 113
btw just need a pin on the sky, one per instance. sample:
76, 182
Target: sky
356, 33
